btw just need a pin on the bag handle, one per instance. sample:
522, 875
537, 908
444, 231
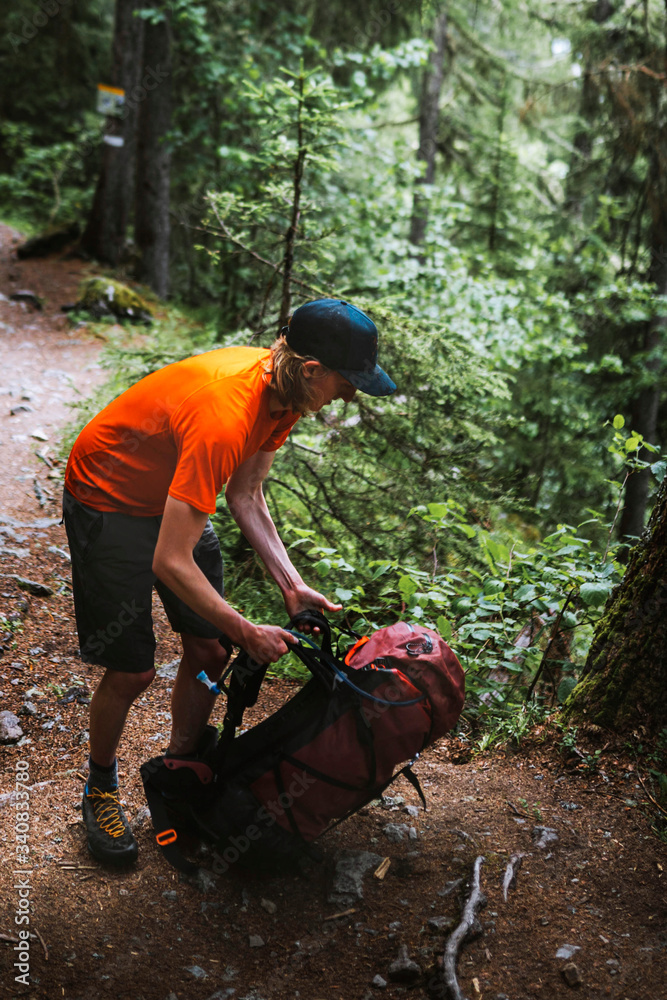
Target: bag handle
314, 619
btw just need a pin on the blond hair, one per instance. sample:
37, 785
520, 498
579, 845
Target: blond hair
294, 390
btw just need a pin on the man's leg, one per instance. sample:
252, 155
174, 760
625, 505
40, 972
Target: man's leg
112, 582
109, 707
110, 838
191, 701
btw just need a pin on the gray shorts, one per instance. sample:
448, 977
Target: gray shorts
113, 580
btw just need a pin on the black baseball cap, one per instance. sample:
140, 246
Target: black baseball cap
342, 338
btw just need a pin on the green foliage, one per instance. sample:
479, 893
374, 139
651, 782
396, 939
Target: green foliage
531, 314
46, 184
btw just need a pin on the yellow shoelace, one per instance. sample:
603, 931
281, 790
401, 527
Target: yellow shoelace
106, 806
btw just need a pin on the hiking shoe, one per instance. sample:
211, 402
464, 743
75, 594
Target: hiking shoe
109, 836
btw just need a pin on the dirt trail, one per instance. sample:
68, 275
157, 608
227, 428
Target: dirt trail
589, 904
45, 367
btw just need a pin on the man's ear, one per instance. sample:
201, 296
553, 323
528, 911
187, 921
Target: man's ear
314, 369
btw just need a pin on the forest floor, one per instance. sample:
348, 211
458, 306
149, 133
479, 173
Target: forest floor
588, 906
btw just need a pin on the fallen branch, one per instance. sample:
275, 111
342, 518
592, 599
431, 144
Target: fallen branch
475, 902
344, 913
656, 804
43, 943
511, 872
382, 868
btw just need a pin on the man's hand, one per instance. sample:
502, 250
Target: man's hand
267, 643
303, 598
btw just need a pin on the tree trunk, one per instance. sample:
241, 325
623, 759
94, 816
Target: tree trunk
428, 126
104, 236
576, 188
625, 677
152, 224
646, 406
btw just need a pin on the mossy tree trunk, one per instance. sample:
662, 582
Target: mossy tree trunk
624, 683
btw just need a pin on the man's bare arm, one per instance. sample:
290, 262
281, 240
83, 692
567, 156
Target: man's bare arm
247, 504
173, 563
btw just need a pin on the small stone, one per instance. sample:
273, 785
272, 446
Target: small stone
395, 832
203, 881
197, 971
256, 941
268, 905
141, 820
351, 866
568, 950
379, 982
37, 589
403, 969
10, 730
450, 887
28, 709
439, 924
571, 974
171, 895
391, 801
412, 811
543, 835
24, 295
39, 434
20, 408
169, 670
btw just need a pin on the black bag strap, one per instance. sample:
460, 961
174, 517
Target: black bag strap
244, 677
165, 833
314, 619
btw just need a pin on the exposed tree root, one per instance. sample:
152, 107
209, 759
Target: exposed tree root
465, 929
511, 872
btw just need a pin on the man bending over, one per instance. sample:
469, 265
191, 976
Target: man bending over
141, 481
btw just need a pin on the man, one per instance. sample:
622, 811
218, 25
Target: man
141, 480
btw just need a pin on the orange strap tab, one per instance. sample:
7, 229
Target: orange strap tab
165, 837
350, 653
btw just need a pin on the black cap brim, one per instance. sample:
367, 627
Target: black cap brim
375, 382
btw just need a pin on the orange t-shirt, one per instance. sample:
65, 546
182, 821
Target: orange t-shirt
179, 432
